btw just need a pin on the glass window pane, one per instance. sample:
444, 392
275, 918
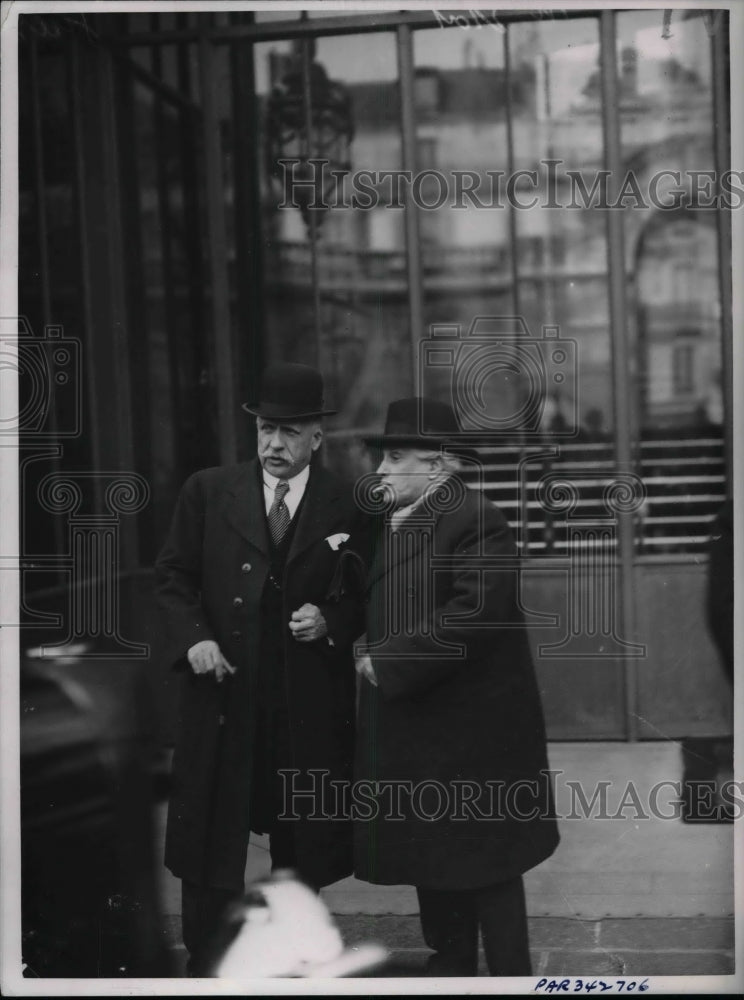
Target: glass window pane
556, 91
667, 135
561, 251
273, 61
461, 136
461, 133
364, 339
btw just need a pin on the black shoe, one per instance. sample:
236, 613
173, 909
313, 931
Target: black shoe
449, 965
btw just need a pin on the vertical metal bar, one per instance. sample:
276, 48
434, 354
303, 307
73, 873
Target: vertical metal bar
248, 246
193, 349
41, 214
118, 315
112, 184
722, 161
512, 212
307, 110
621, 382
410, 163
172, 339
136, 282
224, 388
199, 450
59, 527
81, 186
522, 388
107, 347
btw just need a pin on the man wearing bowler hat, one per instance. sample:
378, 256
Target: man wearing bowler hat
450, 725
264, 649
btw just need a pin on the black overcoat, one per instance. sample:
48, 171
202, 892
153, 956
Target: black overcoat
454, 737
211, 573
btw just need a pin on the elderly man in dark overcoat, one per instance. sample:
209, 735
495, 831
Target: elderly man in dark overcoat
451, 735
263, 643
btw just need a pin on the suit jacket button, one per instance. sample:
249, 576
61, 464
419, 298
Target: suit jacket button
237, 602
245, 568
236, 634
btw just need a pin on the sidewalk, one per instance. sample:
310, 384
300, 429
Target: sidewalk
646, 946
623, 896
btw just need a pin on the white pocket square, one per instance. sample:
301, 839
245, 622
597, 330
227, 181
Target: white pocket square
335, 540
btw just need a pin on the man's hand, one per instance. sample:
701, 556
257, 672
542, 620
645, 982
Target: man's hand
205, 658
308, 624
364, 668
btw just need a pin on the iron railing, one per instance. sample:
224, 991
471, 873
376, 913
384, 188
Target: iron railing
683, 486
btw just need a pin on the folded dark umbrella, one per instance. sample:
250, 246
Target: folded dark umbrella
348, 578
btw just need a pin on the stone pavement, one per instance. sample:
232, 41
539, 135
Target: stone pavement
627, 947
634, 895
646, 946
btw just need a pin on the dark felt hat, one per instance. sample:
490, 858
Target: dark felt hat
417, 421
290, 392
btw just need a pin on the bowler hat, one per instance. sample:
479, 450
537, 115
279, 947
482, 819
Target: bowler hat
417, 421
290, 392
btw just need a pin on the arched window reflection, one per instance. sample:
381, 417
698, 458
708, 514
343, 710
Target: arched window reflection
678, 323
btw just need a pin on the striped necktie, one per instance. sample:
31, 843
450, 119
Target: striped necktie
278, 516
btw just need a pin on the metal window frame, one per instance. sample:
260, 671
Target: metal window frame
164, 220
722, 162
248, 245
409, 21
344, 24
38, 154
217, 246
409, 153
622, 385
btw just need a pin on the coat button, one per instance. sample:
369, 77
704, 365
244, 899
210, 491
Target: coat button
245, 568
236, 634
237, 602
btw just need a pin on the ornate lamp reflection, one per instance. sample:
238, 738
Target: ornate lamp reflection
308, 119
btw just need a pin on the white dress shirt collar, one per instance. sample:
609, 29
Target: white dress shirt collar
297, 485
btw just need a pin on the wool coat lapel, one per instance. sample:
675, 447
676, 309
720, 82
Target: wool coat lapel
396, 547
245, 510
244, 506
316, 512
